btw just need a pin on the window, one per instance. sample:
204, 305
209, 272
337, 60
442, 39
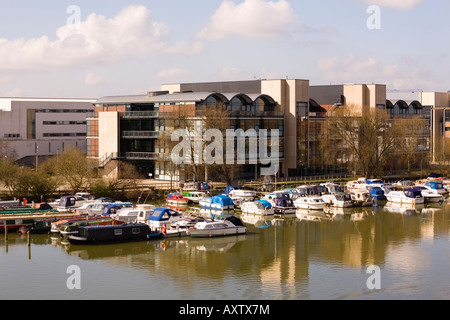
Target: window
135, 231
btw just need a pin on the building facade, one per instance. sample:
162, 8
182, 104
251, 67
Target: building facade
32, 129
137, 128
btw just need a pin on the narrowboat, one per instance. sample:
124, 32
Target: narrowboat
73, 228
113, 234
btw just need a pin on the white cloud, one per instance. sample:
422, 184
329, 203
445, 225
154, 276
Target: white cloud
92, 79
131, 33
356, 69
396, 4
250, 19
172, 73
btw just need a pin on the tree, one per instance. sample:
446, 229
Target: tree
368, 136
74, 169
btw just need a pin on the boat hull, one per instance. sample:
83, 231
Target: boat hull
202, 233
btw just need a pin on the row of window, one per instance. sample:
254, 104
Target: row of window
63, 123
52, 135
63, 111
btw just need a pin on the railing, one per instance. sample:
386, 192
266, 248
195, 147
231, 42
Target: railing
140, 134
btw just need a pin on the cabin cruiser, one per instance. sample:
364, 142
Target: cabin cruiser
219, 202
430, 196
361, 198
70, 203
409, 195
218, 228
310, 202
194, 196
259, 207
284, 205
131, 214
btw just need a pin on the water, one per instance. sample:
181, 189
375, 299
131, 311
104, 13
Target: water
301, 257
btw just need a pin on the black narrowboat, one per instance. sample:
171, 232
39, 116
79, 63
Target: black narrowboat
113, 234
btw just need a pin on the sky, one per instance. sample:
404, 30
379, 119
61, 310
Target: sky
91, 49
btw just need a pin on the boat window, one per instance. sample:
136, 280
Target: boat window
222, 225
118, 232
136, 231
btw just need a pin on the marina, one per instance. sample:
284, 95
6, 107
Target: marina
306, 255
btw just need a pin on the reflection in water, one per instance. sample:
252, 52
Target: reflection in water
308, 255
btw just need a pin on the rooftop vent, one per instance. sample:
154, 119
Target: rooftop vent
156, 93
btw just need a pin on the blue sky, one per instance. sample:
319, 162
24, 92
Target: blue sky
129, 47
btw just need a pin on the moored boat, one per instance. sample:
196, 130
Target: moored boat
218, 228
408, 195
177, 199
219, 202
72, 228
194, 196
310, 202
258, 207
113, 234
284, 205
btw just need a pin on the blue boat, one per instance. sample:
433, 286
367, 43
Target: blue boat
219, 202
377, 193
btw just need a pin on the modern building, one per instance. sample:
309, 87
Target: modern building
135, 128
32, 129
439, 105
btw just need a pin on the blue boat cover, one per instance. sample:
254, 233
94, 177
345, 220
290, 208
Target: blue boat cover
266, 203
162, 214
223, 200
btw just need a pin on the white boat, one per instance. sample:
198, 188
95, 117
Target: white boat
361, 197
338, 199
409, 196
259, 207
219, 202
430, 195
240, 196
140, 213
218, 228
85, 208
163, 217
70, 203
310, 202
194, 196
284, 206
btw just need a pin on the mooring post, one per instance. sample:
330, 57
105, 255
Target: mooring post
28, 238
6, 232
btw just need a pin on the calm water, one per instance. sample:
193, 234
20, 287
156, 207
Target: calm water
304, 256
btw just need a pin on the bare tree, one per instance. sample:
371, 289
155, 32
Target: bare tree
368, 136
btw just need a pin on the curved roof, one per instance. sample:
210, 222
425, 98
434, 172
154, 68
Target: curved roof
184, 97
401, 104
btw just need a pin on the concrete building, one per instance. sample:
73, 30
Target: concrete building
131, 128
32, 129
439, 104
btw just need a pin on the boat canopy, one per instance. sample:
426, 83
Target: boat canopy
435, 185
283, 202
162, 214
413, 192
265, 203
235, 220
228, 189
223, 200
